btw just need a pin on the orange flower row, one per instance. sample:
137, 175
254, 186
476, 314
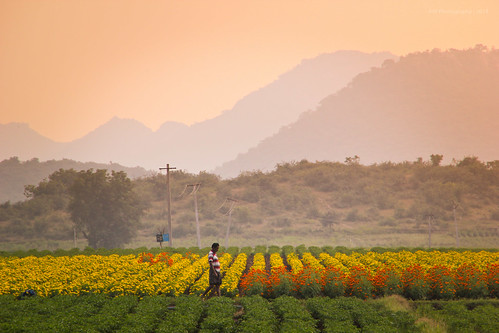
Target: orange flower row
438, 282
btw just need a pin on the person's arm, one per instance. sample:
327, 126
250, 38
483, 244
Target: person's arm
214, 270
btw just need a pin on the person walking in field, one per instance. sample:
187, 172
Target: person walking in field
215, 277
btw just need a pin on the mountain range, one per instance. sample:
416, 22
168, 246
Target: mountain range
377, 106
208, 144
434, 102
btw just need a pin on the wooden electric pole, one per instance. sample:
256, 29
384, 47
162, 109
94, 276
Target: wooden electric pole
74, 236
169, 200
455, 205
229, 213
195, 188
430, 218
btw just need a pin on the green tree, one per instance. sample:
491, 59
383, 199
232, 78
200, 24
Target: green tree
436, 159
329, 219
105, 208
52, 192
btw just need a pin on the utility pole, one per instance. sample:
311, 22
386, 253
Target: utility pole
169, 200
74, 236
195, 188
454, 207
229, 213
430, 218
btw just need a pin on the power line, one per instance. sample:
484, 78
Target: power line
195, 188
223, 203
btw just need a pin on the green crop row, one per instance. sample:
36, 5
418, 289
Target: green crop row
293, 315
184, 316
354, 315
233, 250
258, 316
100, 313
463, 316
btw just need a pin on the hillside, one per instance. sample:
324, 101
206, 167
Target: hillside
324, 203
424, 103
15, 174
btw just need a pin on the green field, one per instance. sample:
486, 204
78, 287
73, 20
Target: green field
100, 313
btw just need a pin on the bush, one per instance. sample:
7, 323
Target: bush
147, 314
247, 249
441, 283
359, 284
287, 249
333, 282
254, 283
495, 215
293, 315
273, 249
386, 282
414, 284
315, 251
353, 215
258, 316
219, 316
280, 283
300, 249
470, 282
493, 280
308, 283
332, 317
260, 249
184, 317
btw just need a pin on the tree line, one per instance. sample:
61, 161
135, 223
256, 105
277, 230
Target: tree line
108, 208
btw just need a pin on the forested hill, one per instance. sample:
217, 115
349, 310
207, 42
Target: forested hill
322, 203
15, 174
435, 101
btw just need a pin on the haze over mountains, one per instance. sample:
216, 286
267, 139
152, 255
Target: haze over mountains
425, 103
208, 144
327, 108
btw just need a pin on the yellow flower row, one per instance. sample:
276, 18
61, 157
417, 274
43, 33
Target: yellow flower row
113, 274
309, 260
231, 278
329, 261
276, 261
258, 262
295, 263
165, 279
404, 259
201, 284
187, 277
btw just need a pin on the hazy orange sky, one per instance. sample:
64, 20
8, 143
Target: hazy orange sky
68, 66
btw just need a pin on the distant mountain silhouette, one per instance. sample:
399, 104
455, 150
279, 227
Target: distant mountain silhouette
118, 140
18, 139
207, 144
425, 103
257, 116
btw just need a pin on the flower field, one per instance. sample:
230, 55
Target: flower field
414, 275
280, 290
